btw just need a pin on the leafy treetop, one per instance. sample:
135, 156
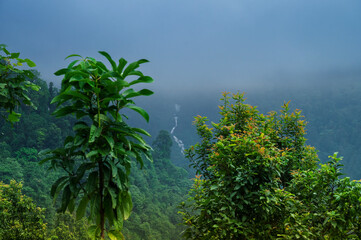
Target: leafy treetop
258, 180
14, 83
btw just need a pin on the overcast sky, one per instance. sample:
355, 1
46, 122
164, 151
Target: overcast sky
192, 44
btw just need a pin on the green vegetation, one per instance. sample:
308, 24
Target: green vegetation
20, 219
256, 177
258, 180
14, 83
97, 159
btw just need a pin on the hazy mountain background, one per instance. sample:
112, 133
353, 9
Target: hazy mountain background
306, 52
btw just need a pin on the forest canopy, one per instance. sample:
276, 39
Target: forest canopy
256, 176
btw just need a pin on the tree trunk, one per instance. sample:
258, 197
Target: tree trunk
101, 209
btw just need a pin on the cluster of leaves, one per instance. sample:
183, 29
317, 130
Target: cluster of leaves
20, 219
258, 180
98, 158
14, 83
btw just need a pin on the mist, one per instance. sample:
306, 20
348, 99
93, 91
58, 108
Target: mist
193, 46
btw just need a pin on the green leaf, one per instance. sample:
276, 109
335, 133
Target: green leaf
142, 131
102, 117
77, 95
115, 235
122, 63
66, 198
61, 72
94, 133
91, 153
33, 87
60, 112
130, 68
110, 141
82, 207
29, 62
73, 55
105, 54
127, 205
139, 110
143, 79
14, 55
145, 92
14, 117
71, 65
136, 73
55, 186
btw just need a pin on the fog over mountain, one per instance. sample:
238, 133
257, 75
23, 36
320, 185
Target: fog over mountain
193, 45
275, 51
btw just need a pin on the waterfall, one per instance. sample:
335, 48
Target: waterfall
178, 141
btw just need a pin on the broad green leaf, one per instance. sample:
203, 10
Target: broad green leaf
82, 207
127, 205
14, 55
55, 186
111, 61
77, 95
66, 198
143, 79
94, 133
102, 117
121, 65
115, 235
60, 112
92, 181
29, 62
139, 110
102, 66
33, 87
136, 73
92, 153
80, 125
110, 141
131, 67
72, 64
60, 99
145, 92
142, 131
61, 72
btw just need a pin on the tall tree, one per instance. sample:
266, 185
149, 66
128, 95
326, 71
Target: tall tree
14, 83
98, 157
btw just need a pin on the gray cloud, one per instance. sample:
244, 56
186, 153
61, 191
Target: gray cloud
192, 44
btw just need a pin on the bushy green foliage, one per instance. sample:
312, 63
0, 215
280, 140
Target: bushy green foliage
20, 219
97, 159
14, 83
258, 180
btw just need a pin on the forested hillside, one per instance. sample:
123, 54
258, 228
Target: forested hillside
156, 189
160, 186
331, 109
